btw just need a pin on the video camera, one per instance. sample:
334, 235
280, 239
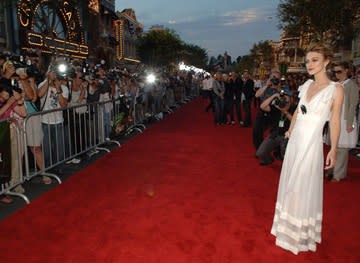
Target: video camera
21, 65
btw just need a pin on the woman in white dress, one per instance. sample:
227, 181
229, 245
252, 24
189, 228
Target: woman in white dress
298, 214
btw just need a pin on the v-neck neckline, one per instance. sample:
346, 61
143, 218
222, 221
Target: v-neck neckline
313, 97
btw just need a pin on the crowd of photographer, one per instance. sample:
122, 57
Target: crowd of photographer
275, 98
68, 105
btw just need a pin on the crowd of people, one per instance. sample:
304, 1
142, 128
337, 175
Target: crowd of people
29, 86
274, 97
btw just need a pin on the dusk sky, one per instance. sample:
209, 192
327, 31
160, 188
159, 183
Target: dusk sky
218, 26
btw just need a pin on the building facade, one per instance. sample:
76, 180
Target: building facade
128, 30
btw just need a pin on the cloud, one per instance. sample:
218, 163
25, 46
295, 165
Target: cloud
234, 18
182, 21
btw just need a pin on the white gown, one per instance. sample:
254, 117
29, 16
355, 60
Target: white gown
298, 214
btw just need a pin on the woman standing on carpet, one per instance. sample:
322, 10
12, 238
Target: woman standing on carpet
298, 213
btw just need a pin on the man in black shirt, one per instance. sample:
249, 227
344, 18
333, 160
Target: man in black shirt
237, 86
248, 91
280, 109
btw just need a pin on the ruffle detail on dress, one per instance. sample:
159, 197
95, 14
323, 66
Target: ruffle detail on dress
296, 234
303, 87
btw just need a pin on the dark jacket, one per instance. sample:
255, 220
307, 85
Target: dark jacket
237, 87
248, 89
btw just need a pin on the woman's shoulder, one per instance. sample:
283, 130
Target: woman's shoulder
305, 84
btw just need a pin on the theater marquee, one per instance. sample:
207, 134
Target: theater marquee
52, 26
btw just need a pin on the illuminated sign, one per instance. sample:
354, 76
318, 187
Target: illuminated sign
28, 15
57, 45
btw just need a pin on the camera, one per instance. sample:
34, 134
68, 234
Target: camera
63, 69
275, 81
10, 89
282, 101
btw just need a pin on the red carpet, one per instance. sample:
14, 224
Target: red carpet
183, 191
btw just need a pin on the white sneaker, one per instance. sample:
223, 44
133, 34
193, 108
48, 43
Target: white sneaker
76, 161
73, 161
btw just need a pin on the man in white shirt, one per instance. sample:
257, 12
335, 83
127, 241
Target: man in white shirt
53, 96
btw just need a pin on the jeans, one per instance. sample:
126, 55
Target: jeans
53, 143
107, 124
270, 144
219, 110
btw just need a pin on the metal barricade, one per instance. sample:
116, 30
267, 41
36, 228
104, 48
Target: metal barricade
67, 133
58, 136
14, 156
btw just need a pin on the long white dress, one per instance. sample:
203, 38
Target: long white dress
298, 214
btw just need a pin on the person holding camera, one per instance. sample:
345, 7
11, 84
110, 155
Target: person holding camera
280, 111
263, 119
12, 106
53, 96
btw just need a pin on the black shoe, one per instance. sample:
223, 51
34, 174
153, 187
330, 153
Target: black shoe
278, 157
263, 163
329, 176
257, 157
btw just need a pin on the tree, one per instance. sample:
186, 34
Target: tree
194, 55
160, 47
246, 62
321, 19
262, 52
238, 59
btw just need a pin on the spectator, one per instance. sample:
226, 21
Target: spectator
219, 90
348, 133
228, 100
237, 87
53, 96
257, 85
248, 91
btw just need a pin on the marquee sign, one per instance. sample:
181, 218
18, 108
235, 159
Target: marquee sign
52, 26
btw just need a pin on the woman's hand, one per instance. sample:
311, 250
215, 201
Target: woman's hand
330, 160
287, 134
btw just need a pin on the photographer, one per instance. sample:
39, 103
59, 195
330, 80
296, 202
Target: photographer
105, 95
262, 120
53, 95
77, 117
280, 109
12, 106
34, 133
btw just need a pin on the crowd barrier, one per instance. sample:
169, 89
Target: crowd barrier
11, 148
47, 140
